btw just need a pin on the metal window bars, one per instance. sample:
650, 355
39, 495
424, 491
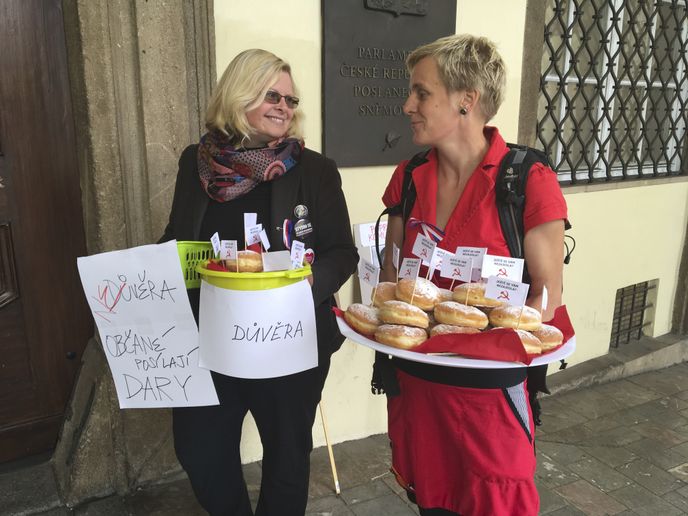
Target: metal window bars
614, 102
630, 308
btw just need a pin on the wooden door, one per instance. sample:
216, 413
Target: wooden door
44, 320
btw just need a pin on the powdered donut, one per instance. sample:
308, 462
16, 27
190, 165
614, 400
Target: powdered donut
445, 329
385, 291
508, 316
362, 318
425, 296
399, 312
549, 336
451, 312
398, 336
249, 261
530, 342
476, 295
445, 294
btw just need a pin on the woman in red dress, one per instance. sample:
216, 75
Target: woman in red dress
463, 439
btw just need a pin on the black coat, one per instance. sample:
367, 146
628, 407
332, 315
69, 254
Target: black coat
315, 183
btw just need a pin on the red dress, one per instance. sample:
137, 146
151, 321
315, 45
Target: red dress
466, 449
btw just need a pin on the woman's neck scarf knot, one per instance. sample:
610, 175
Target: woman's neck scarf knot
228, 172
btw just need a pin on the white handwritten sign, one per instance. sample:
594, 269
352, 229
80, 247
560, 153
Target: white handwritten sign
503, 267
139, 302
228, 249
241, 337
506, 290
367, 233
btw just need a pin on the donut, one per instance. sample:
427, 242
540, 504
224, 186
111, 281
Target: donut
476, 295
549, 336
451, 312
398, 336
445, 294
425, 293
249, 261
523, 318
362, 318
446, 329
530, 342
399, 312
384, 291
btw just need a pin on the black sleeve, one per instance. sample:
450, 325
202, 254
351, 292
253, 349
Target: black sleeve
336, 255
186, 159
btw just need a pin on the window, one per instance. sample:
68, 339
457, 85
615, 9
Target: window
613, 101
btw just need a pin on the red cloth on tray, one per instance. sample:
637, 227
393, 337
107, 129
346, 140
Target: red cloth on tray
500, 344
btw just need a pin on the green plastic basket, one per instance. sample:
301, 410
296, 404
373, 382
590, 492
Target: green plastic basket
191, 254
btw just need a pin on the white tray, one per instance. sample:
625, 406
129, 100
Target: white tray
453, 360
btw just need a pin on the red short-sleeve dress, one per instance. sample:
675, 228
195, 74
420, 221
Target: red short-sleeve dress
462, 439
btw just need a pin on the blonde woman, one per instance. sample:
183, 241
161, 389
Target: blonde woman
253, 160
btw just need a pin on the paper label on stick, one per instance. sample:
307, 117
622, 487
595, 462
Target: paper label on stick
503, 267
409, 268
545, 298
456, 269
368, 273
264, 239
228, 249
297, 251
253, 235
423, 248
473, 253
438, 258
395, 256
506, 290
250, 220
215, 241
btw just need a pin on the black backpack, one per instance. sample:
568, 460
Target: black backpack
510, 191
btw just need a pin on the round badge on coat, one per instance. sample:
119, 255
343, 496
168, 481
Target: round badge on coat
300, 211
302, 228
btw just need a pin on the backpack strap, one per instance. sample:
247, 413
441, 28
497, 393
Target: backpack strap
408, 198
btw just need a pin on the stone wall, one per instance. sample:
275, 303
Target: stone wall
141, 73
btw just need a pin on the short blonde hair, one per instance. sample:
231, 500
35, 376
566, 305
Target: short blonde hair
241, 88
467, 62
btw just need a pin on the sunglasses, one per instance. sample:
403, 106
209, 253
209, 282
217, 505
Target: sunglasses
272, 97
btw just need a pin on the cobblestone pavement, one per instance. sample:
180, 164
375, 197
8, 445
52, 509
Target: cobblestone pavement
617, 448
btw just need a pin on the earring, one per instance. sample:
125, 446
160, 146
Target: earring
463, 111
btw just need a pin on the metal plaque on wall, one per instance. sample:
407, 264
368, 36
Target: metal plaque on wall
365, 82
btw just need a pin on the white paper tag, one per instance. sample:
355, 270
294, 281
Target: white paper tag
506, 290
473, 253
297, 251
423, 248
503, 267
253, 234
368, 273
409, 268
215, 241
545, 298
395, 256
456, 269
438, 258
250, 220
228, 249
264, 239
276, 261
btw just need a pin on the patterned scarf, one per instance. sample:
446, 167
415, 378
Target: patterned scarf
227, 172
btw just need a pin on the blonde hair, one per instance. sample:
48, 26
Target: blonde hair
241, 88
467, 62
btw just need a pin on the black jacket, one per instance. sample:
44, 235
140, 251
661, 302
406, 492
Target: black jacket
315, 183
